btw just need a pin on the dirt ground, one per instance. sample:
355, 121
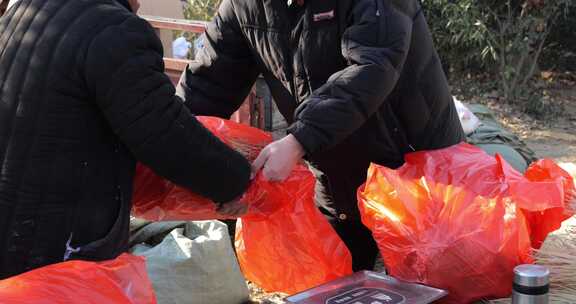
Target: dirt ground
551, 137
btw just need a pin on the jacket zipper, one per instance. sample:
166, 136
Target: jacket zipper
378, 16
290, 55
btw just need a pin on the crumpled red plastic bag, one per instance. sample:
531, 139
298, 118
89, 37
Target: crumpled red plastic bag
555, 207
120, 281
157, 199
293, 248
461, 220
284, 244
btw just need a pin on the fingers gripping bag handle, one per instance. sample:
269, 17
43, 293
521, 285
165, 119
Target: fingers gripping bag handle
284, 244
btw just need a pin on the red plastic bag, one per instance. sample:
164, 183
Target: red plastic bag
549, 217
120, 281
461, 220
293, 248
284, 244
157, 199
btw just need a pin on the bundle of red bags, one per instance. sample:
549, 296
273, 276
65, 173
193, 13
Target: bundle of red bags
284, 244
461, 220
120, 281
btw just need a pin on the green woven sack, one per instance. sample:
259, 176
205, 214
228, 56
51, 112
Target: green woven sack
493, 138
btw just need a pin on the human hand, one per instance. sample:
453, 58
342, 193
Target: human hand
277, 160
235, 208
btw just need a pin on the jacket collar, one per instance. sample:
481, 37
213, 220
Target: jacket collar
125, 4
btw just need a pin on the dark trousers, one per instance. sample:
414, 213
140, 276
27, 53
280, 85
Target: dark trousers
336, 187
359, 241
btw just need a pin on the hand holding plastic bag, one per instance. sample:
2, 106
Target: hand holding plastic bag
278, 159
461, 220
284, 244
157, 199
120, 281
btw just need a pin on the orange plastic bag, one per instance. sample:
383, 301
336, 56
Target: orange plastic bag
293, 248
555, 207
120, 281
284, 244
157, 199
461, 220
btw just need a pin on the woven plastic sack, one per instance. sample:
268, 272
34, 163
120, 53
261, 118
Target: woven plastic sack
284, 244
191, 262
120, 281
461, 220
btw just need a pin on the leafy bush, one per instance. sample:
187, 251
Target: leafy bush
560, 52
508, 37
202, 10
460, 33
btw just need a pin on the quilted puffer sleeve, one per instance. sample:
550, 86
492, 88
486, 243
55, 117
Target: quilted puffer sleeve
375, 44
219, 79
124, 70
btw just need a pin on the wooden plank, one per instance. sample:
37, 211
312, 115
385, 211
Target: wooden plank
176, 24
164, 8
173, 64
174, 76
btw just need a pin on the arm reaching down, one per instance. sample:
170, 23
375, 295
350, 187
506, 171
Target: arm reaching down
125, 73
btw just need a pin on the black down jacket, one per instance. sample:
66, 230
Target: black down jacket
82, 97
359, 80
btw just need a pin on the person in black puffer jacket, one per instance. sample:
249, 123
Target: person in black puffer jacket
83, 96
358, 80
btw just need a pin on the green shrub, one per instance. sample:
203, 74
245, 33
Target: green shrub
460, 32
202, 10
560, 51
510, 39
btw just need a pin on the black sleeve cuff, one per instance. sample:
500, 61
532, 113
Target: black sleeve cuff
307, 136
236, 183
